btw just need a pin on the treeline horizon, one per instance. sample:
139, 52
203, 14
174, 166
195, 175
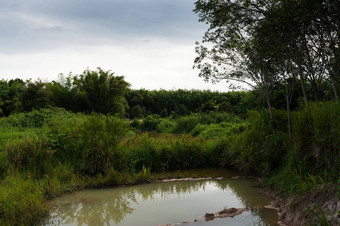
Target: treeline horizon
103, 92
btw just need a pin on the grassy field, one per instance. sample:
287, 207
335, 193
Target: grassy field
46, 153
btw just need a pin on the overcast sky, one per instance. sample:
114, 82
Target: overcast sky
150, 42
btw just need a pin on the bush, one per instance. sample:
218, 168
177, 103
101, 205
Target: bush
198, 129
225, 107
88, 143
135, 123
165, 126
150, 123
35, 118
218, 130
136, 112
186, 123
30, 155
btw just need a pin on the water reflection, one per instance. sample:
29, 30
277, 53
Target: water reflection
158, 203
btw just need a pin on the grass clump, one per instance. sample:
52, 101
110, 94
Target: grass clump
30, 155
22, 201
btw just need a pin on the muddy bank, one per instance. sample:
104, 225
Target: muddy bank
231, 212
188, 179
225, 213
309, 208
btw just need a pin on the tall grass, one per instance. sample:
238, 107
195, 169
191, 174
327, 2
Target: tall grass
58, 151
316, 138
88, 143
167, 152
30, 155
22, 201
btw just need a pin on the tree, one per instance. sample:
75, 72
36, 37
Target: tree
63, 93
103, 91
136, 112
263, 43
227, 51
10, 96
36, 95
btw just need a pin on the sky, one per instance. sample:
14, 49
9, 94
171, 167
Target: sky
150, 42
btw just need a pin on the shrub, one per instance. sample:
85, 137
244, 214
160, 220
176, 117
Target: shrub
150, 123
88, 143
165, 126
32, 155
135, 123
186, 123
136, 112
35, 118
198, 129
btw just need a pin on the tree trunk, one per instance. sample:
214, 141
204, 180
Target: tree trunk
287, 97
269, 105
302, 81
334, 88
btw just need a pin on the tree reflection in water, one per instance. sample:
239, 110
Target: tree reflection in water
111, 206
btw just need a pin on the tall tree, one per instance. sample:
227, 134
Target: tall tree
36, 95
227, 51
103, 91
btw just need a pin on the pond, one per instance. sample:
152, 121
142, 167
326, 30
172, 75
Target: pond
167, 202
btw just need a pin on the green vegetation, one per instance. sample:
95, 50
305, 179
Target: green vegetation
56, 151
75, 133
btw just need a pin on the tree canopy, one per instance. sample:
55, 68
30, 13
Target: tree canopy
266, 42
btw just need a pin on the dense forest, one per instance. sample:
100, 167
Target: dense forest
92, 130
102, 92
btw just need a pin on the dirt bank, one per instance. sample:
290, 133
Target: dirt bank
319, 205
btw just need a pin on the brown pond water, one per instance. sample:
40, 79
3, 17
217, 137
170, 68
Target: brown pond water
165, 203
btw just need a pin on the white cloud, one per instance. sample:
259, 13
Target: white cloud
157, 64
151, 42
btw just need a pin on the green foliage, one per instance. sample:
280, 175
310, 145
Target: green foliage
88, 142
182, 102
150, 123
225, 107
59, 180
186, 123
69, 151
164, 152
208, 106
165, 126
316, 138
218, 130
197, 130
10, 96
102, 91
319, 217
4, 164
135, 123
36, 96
164, 113
30, 155
136, 112
291, 182
21, 201
35, 118
181, 109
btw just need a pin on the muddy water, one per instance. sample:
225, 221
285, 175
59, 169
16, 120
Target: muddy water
163, 203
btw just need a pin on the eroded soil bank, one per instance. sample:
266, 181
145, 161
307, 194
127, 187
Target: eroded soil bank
319, 206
